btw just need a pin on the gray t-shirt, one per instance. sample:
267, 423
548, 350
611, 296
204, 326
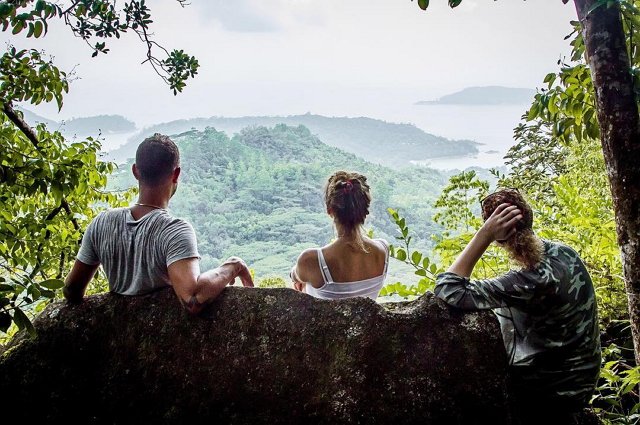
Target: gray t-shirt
135, 254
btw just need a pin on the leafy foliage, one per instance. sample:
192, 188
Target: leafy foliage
424, 267
271, 282
47, 192
616, 398
26, 76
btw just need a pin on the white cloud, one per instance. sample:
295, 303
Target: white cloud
260, 16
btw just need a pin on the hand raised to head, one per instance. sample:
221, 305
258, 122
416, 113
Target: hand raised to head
501, 225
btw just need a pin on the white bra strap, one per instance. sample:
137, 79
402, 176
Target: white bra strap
386, 258
324, 269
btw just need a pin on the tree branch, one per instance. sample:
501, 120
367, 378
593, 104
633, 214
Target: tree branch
33, 138
65, 205
15, 117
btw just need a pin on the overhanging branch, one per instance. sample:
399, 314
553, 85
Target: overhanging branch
15, 117
26, 129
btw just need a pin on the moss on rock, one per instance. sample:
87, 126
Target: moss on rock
258, 356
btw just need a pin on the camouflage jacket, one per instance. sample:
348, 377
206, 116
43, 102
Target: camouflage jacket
548, 319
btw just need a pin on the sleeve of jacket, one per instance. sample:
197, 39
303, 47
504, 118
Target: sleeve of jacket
510, 289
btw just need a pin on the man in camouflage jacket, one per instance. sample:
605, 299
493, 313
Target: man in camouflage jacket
547, 314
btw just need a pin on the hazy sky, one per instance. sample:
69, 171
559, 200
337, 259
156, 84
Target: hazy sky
334, 57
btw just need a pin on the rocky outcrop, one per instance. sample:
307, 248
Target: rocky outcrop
258, 356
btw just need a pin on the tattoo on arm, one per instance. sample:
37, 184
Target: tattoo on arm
192, 304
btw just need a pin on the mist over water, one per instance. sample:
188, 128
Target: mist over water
489, 125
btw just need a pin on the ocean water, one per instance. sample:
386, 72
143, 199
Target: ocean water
490, 126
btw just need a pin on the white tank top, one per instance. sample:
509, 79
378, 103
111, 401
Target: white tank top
331, 290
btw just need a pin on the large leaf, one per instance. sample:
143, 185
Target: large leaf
23, 322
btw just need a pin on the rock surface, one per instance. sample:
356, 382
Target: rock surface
258, 356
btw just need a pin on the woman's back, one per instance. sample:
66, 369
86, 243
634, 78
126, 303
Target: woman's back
353, 264
340, 271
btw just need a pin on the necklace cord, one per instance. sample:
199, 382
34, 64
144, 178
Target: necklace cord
149, 205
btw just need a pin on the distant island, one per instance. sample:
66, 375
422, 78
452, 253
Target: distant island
380, 142
490, 95
84, 126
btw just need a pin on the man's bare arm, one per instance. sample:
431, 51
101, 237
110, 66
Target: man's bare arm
298, 283
195, 290
77, 280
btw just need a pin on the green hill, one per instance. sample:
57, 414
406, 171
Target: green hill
258, 194
83, 126
107, 124
374, 140
32, 119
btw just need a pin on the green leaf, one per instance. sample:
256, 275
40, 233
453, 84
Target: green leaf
416, 257
423, 4
23, 322
421, 272
52, 284
550, 78
401, 254
533, 112
37, 30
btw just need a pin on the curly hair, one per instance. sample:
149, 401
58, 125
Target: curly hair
347, 195
524, 246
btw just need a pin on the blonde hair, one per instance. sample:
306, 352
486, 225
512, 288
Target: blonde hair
524, 246
347, 196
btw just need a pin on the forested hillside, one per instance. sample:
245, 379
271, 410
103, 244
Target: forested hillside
259, 194
376, 141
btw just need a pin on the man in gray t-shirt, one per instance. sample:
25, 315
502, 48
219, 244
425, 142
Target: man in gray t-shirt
144, 248
135, 254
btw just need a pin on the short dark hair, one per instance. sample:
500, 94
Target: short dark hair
156, 158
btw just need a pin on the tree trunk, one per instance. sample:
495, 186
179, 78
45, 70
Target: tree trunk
619, 132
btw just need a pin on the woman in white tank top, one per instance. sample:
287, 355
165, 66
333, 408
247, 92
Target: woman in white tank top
353, 265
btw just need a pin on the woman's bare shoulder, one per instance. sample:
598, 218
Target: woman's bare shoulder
378, 245
307, 257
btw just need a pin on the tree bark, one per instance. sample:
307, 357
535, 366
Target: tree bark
619, 133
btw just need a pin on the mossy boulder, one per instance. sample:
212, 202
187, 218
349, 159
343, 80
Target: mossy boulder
257, 356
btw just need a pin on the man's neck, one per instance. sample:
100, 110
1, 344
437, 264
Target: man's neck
154, 196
